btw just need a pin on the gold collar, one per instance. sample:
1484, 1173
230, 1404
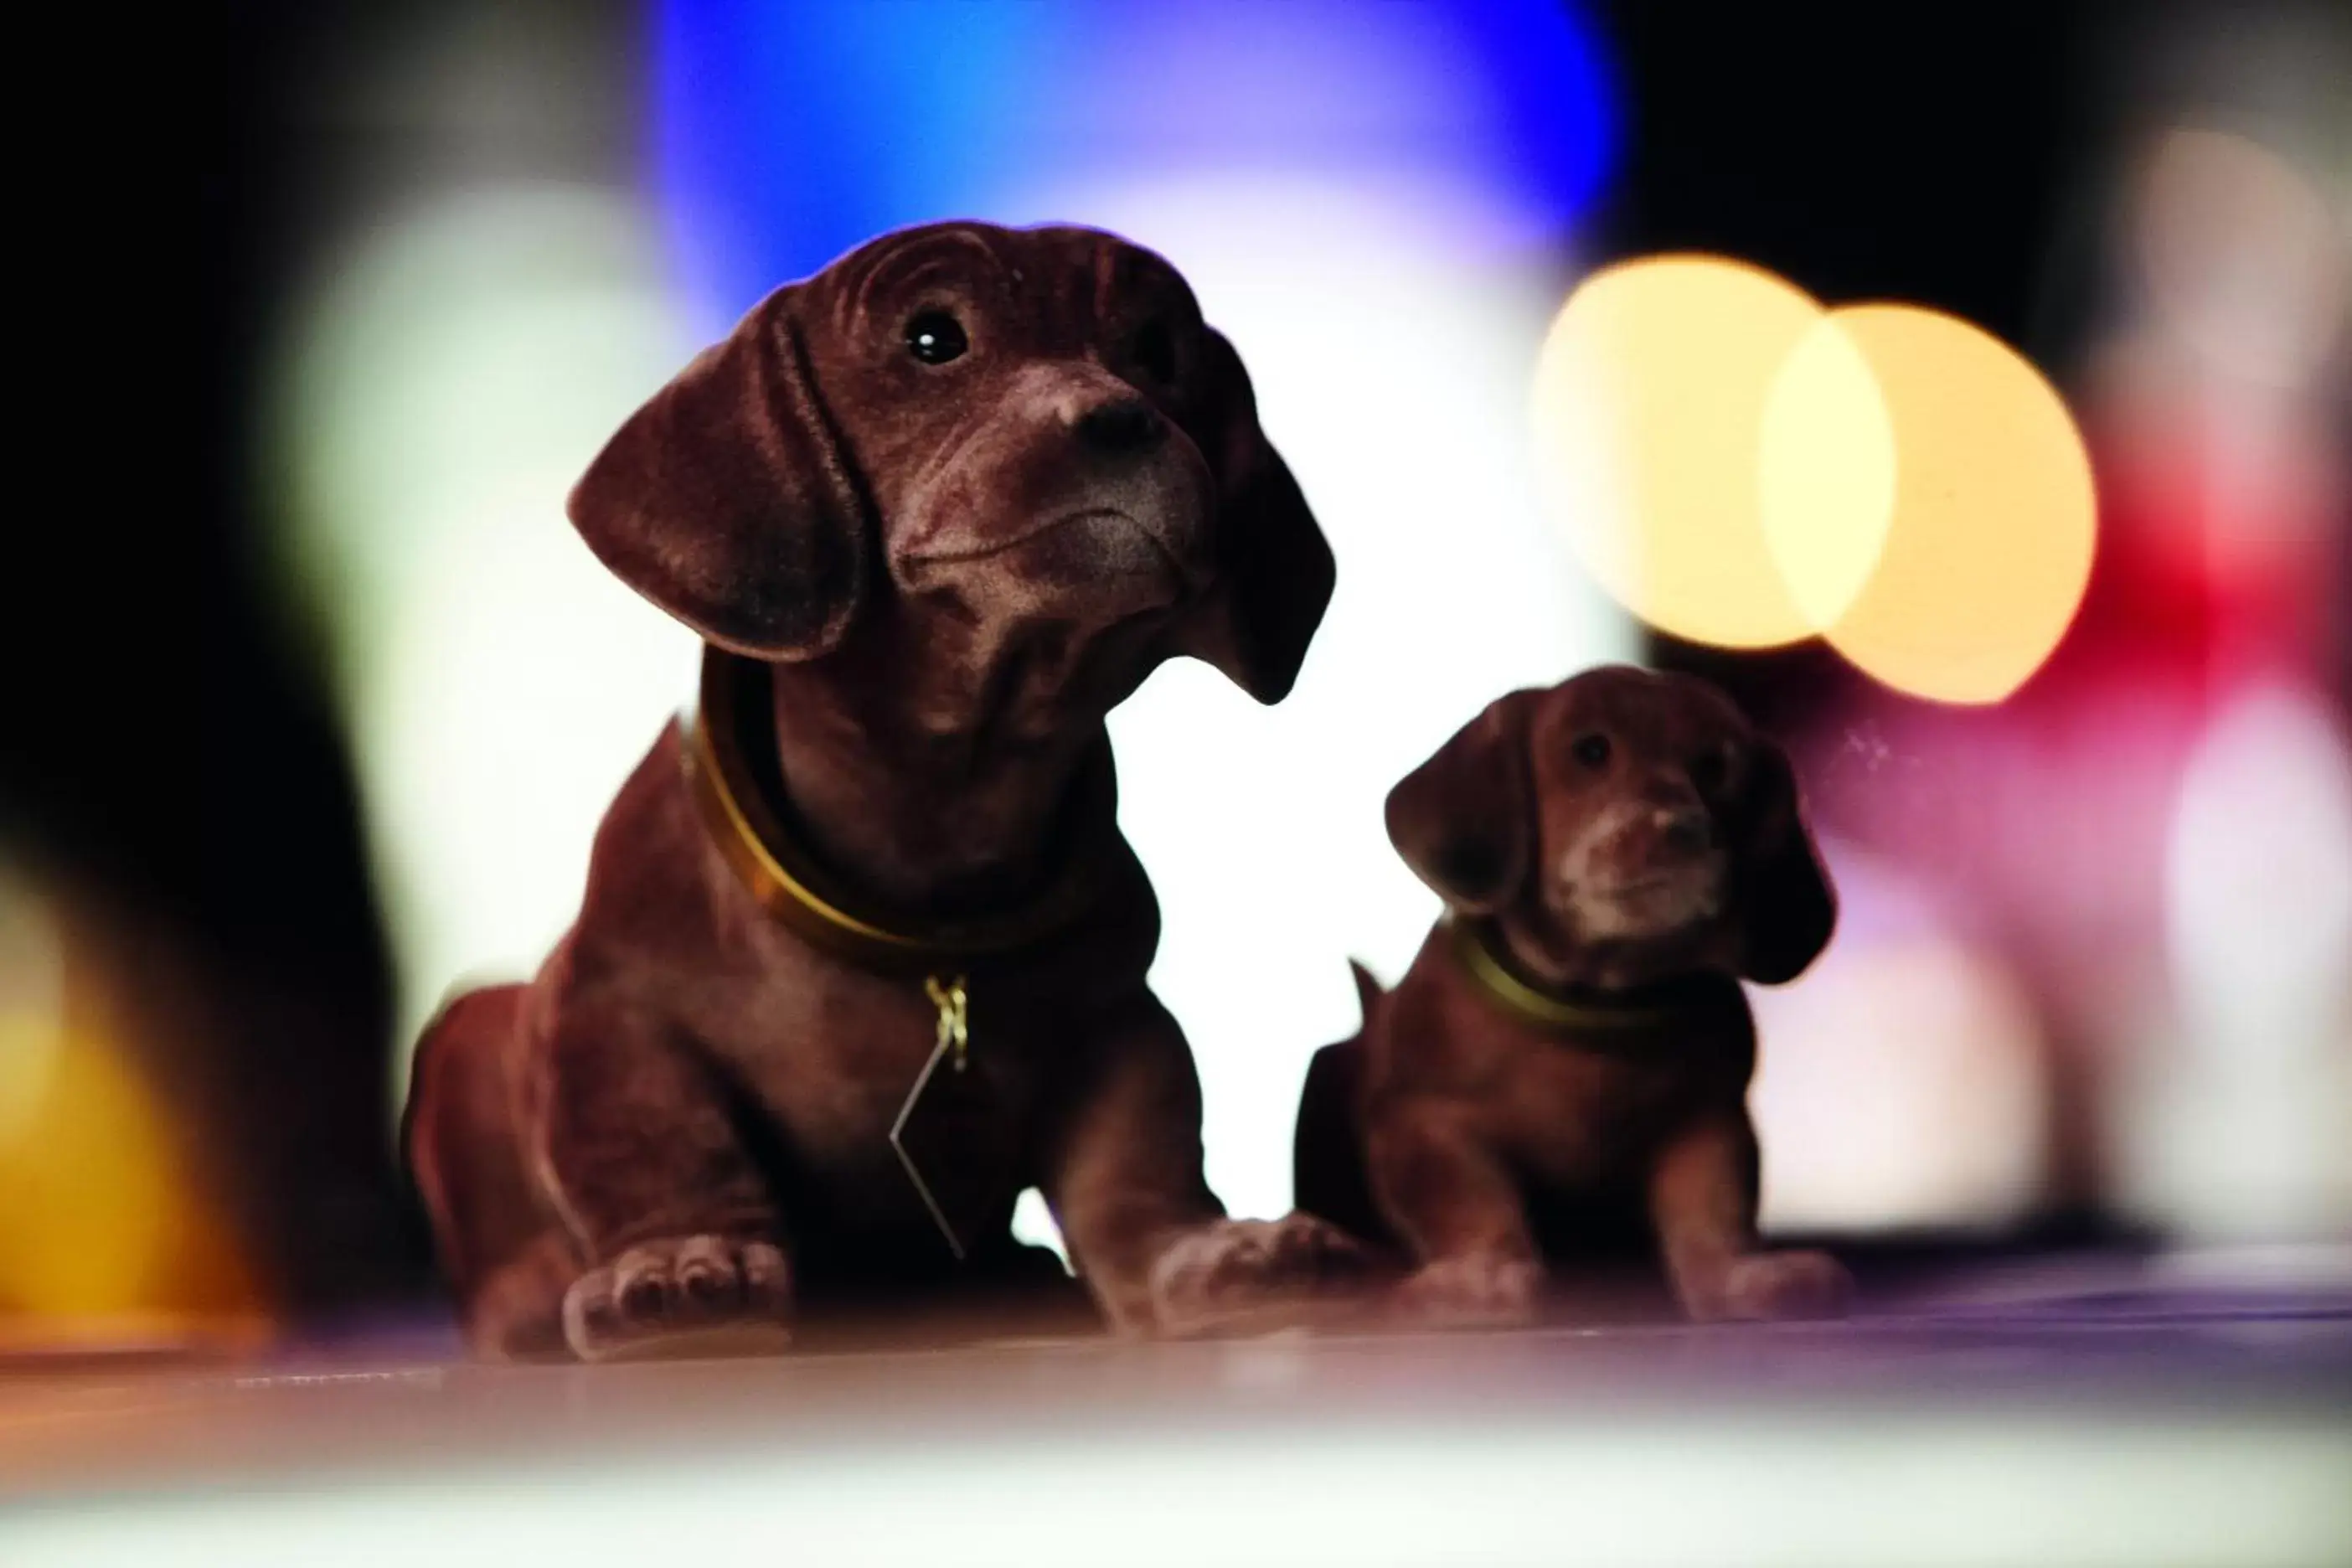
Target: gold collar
728, 742
1477, 947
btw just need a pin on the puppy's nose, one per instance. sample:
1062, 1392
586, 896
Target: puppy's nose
1122, 426
1684, 832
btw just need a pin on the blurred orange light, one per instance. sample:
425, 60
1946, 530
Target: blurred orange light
103, 1222
1735, 466
1649, 409
88, 1186
1826, 473
1988, 550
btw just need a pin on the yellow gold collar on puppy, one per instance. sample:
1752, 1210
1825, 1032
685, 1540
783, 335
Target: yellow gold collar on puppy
752, 831
1477, 947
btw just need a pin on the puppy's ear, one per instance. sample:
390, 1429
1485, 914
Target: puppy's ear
1465, 820
726, 499
1787, 909
1274, 570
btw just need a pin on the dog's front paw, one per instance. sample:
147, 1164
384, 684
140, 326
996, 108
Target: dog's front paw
1256, 1273
1475, 1290
708, 1292
1768, 1285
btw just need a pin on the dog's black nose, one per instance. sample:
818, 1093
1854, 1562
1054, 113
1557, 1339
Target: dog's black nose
1128, 425
1686, 832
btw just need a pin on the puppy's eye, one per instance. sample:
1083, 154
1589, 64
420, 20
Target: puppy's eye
1155, 350
1591, 751
935, 337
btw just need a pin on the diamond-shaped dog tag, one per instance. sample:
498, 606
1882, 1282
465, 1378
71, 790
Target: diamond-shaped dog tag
948, 1132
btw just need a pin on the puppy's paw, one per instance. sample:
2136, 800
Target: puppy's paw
1473, 1290
681, 1295
1252, 1273
1769, 1285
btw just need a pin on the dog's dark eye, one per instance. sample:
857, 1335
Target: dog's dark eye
1591, 751
1155, 351
935, 337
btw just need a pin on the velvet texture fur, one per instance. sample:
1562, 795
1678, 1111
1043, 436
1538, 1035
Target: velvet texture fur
1626, 843
960, 491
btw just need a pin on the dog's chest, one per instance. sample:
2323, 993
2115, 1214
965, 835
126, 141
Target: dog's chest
832, 1059
1575, 1116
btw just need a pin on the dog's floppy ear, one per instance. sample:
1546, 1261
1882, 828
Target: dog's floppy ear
1274, 570
726, 498
1465, 820
1787, 909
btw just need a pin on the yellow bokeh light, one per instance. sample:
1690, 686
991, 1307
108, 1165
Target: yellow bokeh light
1825, 473
1737, 466
1649, 406
1989, 552
87, 1186
104, 1227
98, 1212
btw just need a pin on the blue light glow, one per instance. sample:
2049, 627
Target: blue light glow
786, 132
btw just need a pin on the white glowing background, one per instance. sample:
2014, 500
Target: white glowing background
2249, 1135
453, 374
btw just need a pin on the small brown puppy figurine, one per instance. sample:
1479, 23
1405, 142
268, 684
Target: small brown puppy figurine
862, 952
1566, 1061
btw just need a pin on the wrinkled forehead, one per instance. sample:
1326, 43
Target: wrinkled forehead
1066, 284
1646, 710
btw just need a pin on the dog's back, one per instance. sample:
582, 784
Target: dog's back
1327, 1151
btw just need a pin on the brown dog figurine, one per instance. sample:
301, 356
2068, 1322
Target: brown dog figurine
1566, 1063
862, 952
